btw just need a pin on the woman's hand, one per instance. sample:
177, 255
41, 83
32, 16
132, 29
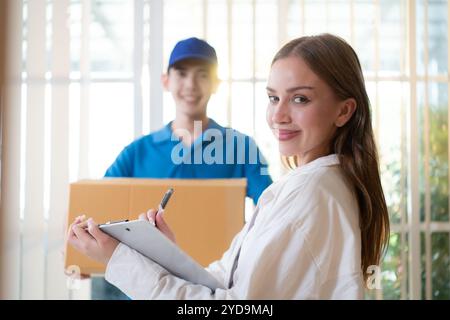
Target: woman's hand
69, 272
156, 217
91, 241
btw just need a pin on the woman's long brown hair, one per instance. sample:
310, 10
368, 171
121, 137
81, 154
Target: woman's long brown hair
335, 62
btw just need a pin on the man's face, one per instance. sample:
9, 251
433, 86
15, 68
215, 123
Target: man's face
191, 83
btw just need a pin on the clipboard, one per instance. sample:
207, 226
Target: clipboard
145, 238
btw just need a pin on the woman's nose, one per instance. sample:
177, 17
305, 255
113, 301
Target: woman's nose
280, 113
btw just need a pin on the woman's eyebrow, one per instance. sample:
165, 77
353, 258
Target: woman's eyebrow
291, 89
299, 88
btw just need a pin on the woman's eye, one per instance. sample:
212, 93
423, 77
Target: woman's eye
300, 99
273, 99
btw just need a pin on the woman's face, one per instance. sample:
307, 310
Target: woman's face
302, 110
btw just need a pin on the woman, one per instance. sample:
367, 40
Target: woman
316, 231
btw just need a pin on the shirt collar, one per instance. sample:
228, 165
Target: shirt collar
326, 161
165, 133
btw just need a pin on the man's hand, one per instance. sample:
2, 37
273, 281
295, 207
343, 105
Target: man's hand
156, 217
91, 241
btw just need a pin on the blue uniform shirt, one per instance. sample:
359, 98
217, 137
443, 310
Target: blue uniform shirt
218, 153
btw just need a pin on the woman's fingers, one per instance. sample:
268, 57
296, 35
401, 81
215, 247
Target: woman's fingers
82, 235
163, 226
83, 224
77, 221
151, 213
95, 231
93, 242
143, 216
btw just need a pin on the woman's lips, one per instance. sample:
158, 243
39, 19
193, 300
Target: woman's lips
284, 135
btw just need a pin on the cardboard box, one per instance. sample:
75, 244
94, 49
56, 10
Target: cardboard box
205, 215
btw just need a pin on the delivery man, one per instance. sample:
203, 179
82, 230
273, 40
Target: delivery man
192, 146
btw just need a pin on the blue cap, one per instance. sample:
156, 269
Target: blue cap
192, 48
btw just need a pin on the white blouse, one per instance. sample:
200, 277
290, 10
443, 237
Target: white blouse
304, 242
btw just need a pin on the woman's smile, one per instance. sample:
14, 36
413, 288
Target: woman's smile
284, 134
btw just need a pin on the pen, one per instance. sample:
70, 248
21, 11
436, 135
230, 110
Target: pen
164, 202
165, 199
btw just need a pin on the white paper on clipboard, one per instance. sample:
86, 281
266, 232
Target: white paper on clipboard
145, 238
